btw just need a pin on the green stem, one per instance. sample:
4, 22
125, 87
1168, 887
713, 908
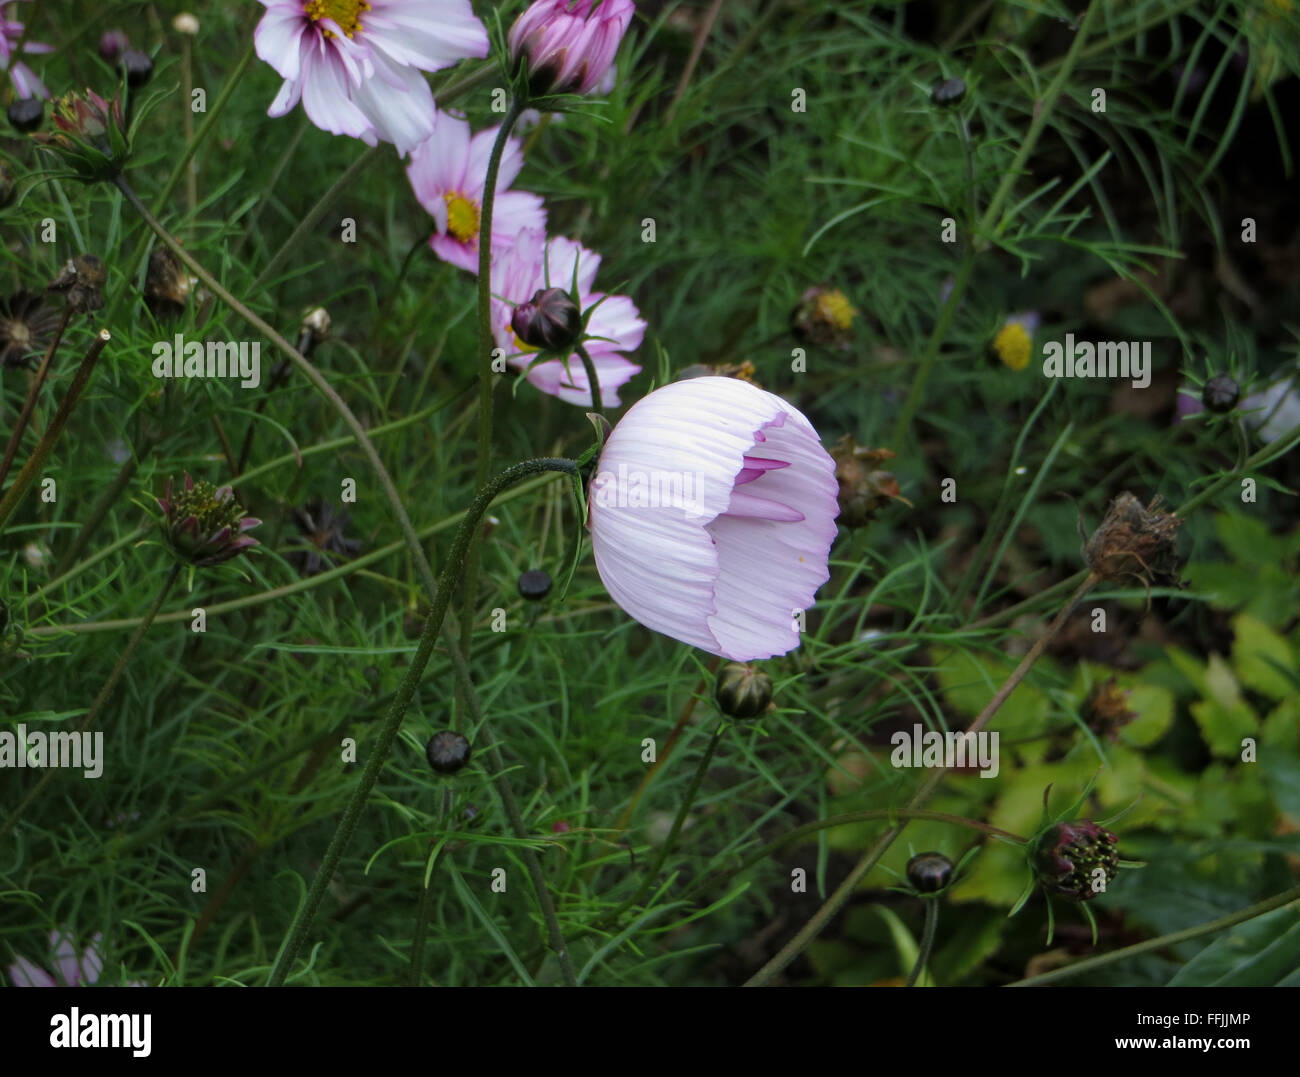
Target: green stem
43, 448
452, 567
105, 693
823, 916
486, 377
927, 939
590, 368
989, 225
1163, 942
678, 822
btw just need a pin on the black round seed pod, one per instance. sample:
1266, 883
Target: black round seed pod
27, 114
947, 93
742, 691
138, 67
1220, 394
535, 584
447, 751
929, 872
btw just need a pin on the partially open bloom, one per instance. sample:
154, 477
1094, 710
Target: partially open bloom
1076, 860
448, 173
205, 525
536, 263
355, 64
24, 79
712, 513
567, 46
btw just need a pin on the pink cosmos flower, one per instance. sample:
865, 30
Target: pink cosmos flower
24, 79
712, 513
448, 173
567, 45
518, 275
356, 64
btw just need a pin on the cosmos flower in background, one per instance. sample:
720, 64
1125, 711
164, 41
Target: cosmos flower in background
356, 65
712, 512
24, 79
69, 970
1014, 343
448, 173
1275, 411
521, 273
568, 46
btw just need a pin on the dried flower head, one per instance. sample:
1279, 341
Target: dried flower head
1135, 541
204, 524
824, 316
323, 540
864, 488
1106, 709
166, 285
82, 280
742, 371
25, 328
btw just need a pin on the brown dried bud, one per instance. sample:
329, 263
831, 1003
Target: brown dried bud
1106, 710
742, 371
864, 488
1135, 541
82, 280
166, 286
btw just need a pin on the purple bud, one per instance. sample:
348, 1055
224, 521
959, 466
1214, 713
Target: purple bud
549, 321
112, 44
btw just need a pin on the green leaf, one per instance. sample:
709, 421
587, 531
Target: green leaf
1224, 717
1260, 658
1263, 952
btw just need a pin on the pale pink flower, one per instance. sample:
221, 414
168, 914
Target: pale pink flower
69, 970
712, 513
567, 45
448, 173
356, 65
25, 81
518, 275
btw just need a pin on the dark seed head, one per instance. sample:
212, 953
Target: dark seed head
948, 92
742, 691
138, 67
1220, 394
27, 114
447, 752
1076, 860
535, 584
929, 872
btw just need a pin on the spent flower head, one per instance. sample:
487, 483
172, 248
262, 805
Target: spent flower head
204, 524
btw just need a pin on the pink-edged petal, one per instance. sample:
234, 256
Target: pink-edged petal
278, 40
454, 252
22, 973
571, 386
617, 321
756, 467
325, 97
403, 117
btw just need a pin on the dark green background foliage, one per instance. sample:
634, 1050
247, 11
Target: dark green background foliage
223, 748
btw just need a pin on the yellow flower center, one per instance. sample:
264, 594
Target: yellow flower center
346, 13
520, 345
462, 216
1012, 345
834, 307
